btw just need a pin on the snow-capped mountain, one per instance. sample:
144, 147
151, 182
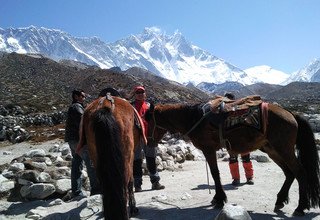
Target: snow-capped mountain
170, 56
310, 73
266, 74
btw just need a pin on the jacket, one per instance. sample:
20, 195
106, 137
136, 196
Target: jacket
142, 107
74, 115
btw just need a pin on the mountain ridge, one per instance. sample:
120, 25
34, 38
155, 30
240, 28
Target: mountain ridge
169, 56
39, 84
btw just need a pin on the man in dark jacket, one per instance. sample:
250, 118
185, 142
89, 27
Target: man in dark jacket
74, 115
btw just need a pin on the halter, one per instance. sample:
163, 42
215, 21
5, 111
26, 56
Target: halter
155, 126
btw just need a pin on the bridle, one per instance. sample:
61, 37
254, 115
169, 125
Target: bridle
155, 126
204, 115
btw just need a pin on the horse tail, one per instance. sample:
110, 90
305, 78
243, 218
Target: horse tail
308, 156
110, 164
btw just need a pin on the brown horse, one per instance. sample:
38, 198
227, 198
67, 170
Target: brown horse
283, 130
111, 134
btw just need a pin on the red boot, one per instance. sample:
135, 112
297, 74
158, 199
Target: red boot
234, 170
248, 169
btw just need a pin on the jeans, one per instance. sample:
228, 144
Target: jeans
77, 167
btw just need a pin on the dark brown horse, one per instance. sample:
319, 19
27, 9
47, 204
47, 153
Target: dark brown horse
111, 134
282, 131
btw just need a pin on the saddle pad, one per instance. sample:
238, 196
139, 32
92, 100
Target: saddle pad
250, 116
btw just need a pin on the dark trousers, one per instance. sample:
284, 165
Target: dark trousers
150, 154
77, 167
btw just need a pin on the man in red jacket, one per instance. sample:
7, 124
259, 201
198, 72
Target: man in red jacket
246, 162
150, 152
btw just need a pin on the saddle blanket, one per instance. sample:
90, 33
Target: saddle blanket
234, 113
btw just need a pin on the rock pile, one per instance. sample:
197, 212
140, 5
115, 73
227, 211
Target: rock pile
314, 120
13, 120
40, 175
37, 175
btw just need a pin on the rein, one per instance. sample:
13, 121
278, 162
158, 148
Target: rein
155, 126
204, 115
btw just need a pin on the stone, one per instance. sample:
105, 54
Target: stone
29, 175
260, 158
16, 167
35, 153
7, 153
41, 166
38, 191
62, 185
6, 186
233, 212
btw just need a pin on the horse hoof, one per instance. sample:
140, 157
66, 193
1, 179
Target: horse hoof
134, 212
298, 213
216, 204
278, 208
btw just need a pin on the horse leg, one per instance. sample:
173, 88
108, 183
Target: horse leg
292, 168
220, 197
283, 195
133, 210
300, 174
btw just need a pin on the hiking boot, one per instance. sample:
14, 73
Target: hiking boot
95, 192
137, 189
250, 181
78, 197
69, 197
235, 182
157, 186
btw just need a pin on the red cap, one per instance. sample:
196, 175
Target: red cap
139, 88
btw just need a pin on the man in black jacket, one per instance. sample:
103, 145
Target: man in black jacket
74, 115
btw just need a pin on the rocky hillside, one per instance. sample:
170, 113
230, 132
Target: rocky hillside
35, 90
298, 91
38, 84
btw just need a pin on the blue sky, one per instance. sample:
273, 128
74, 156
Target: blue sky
284, 34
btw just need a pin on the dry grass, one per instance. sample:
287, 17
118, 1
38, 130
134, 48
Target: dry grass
44, 133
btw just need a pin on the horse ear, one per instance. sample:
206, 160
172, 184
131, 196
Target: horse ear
151, 107
151, 102
149, 112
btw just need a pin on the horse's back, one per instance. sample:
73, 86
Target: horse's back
121, 110
280, 117
280, 112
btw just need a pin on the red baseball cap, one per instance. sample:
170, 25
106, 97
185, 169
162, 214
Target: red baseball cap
141, 88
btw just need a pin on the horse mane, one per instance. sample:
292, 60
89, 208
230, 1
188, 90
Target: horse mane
184, 113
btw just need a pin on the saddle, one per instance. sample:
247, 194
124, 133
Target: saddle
223, 104
227, 114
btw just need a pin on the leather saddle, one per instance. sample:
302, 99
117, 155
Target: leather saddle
226, 114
